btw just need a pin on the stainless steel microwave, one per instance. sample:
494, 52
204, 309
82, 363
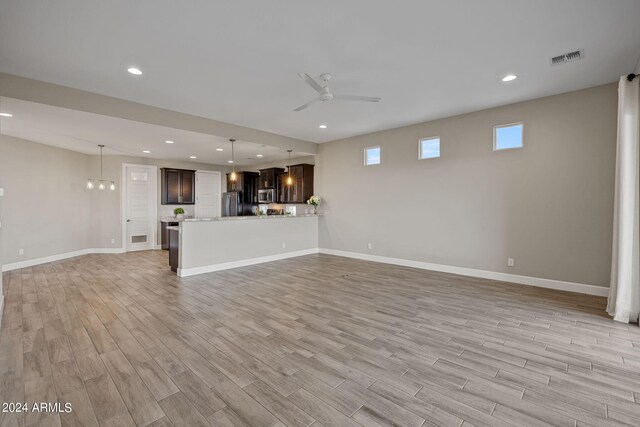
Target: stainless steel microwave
267, 195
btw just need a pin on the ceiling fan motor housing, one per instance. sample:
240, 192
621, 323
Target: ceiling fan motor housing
326, 95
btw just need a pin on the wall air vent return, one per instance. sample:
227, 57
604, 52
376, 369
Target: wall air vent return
567, 57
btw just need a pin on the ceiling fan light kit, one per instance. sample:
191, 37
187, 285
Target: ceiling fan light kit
325, 94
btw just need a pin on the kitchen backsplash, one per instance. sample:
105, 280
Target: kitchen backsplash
165, 211
293, 209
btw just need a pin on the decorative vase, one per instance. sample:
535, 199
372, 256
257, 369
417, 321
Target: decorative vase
315, 210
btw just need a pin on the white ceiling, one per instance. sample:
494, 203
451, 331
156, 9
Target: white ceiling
82, 132
237, 61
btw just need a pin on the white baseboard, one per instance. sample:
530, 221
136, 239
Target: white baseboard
106, 251
58, 257
484, 274
184, 272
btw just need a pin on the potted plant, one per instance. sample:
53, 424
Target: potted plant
179, 213
315, 202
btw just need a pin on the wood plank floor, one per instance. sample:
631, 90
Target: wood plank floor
316, 340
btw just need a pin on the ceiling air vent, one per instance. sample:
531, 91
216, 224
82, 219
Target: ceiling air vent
567, 57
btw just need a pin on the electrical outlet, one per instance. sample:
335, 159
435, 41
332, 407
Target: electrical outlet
370, 245
284, 245
113, 241
20, 251
511, 262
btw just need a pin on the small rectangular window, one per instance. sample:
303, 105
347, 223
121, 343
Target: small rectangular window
509, 136
371, 156
429, 148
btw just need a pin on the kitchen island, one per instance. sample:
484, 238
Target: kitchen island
213, 244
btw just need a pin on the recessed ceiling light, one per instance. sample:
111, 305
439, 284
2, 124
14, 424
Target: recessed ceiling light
322, 126
192, 157
219, 149
509, 77
135, 71
6, 115
169, 142
258, 155
146, 151
229, 161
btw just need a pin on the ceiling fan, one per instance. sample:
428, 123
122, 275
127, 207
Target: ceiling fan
326, 94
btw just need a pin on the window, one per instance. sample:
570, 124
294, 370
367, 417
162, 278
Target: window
429, 148
371, 156
509, 136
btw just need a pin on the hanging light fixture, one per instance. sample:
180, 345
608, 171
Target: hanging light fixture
101, 183
234, 175
289, 179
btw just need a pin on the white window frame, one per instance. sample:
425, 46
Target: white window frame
495, 136
365, 156
427, 138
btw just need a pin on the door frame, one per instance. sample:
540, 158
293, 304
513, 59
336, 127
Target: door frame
195, 209
153, 211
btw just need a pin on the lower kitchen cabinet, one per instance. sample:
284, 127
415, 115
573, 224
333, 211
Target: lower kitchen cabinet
164, 233
174, 247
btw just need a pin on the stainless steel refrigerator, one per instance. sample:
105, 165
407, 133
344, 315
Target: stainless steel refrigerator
232, 203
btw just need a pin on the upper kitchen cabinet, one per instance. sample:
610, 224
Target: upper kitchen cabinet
269, 177
178, 186
236, 185
247, 183
301, 187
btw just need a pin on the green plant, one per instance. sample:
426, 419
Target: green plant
178, 211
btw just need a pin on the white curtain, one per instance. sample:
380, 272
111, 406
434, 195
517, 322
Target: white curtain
624, 294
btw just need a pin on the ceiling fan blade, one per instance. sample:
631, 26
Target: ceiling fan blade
357, 98
302, 107
314, 84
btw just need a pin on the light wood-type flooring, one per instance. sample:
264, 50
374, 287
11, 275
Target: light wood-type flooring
315, 340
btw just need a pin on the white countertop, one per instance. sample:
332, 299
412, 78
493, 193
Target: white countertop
238, 218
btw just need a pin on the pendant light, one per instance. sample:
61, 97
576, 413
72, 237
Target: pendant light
289, 179
101, 183
234, 175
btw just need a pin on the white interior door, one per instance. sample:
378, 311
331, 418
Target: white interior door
139, 207
208, 197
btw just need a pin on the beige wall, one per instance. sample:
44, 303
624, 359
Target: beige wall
548, 205
1, 257
46, 207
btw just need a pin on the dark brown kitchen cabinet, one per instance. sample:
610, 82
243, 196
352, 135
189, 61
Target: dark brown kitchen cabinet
247, 183
174, 248
164, 233
269, 177
301, 187
178, 186
236, 185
